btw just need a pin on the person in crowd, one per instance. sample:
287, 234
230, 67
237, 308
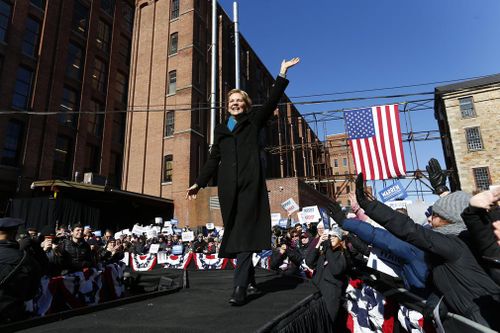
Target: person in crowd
455, 273
199, 244
112, 253
287, 258
32, 232
108, 234
478, 218
211, 247
75, 252
241, 181
20, 273
330, 263
303, 245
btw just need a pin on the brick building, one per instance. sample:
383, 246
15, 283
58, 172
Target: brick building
167, 132
64, 68
468, 116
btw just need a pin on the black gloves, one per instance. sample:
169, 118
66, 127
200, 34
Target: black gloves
437, 176
361, 197
336, 213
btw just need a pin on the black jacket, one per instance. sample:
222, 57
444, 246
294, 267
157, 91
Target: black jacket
483, 239
20, 276
76, 256
241, 184
294, 261
456, 274
329, 276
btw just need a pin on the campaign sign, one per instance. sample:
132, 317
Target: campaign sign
210, 226
290, 206
187, 236
154, 248
177, 250
174, 221
275, 219
283, 223
395, 191
311, 214
325, 217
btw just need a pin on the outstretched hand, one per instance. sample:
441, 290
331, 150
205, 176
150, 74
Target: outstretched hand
335, 212
286, 64
437, 176
192, 192
361, 197
487, 199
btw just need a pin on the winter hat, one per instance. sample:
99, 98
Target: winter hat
449, 208
337, 232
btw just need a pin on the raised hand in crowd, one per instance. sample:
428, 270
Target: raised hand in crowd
361, 196
336, 212
437, 177
486, 199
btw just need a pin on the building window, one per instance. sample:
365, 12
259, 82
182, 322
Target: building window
80, 19
344, 161
173, 43
482, 178
172, 82
62, 157
68, 106
99, 76
12, 145
336, 163
473, 137
31, 37
169, 123
93, 159
467, 107
115, 170
103, 39
74, 67
38, 3
167, 168
121, 88
128, 17
174, 11
22, 88
95, 125
108, 6
5, 11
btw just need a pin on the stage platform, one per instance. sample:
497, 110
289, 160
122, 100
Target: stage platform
204, 307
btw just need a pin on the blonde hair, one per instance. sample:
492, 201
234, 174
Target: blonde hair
246, 98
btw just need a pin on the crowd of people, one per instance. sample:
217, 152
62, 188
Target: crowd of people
454, 257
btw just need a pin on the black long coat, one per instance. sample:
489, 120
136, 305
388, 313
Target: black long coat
241, 184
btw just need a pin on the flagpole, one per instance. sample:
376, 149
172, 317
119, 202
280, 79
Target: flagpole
236, 47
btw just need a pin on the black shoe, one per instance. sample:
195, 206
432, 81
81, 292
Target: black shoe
253, 290
239, 296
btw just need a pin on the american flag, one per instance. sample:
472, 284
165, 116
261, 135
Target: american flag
375, 140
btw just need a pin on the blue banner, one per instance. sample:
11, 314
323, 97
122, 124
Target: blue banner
325, 217
393, 192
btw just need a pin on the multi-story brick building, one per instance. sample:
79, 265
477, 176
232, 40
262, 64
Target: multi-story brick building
64, 68
468, 115
167, 127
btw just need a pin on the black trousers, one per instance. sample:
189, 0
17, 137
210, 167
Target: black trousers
244, 272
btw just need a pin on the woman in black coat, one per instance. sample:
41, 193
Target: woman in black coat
235, 155
330, 269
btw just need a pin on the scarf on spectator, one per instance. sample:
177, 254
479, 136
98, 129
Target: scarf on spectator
453, 229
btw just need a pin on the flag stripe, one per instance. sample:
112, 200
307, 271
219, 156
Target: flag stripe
376, 142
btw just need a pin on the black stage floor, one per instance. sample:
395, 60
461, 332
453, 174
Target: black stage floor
203, 307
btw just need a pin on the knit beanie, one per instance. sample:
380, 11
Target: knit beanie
450, 207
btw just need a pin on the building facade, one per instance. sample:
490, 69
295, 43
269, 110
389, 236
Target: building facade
468, 114
168, 135
64, 69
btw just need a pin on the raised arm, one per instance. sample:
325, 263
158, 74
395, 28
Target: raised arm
266, 110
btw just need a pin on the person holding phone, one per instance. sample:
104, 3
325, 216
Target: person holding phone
235, 157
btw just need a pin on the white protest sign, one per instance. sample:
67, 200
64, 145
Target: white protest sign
290, 206
398, 204
384, 262
210, 226
275, 219
138, 230
126, 232
125, 258
161, 257
311, 214
157, 228
301, 218
174, 221
167, 224
158, 220
118, 234
167, 230
154, 248
187, 236
151, 233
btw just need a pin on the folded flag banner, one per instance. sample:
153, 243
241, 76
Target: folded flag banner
375, 140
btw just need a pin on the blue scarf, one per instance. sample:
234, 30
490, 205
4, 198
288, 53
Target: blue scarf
231, 123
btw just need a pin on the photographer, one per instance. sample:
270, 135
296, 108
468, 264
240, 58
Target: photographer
287, 250
330, 263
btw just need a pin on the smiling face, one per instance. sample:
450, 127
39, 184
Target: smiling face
236, 104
